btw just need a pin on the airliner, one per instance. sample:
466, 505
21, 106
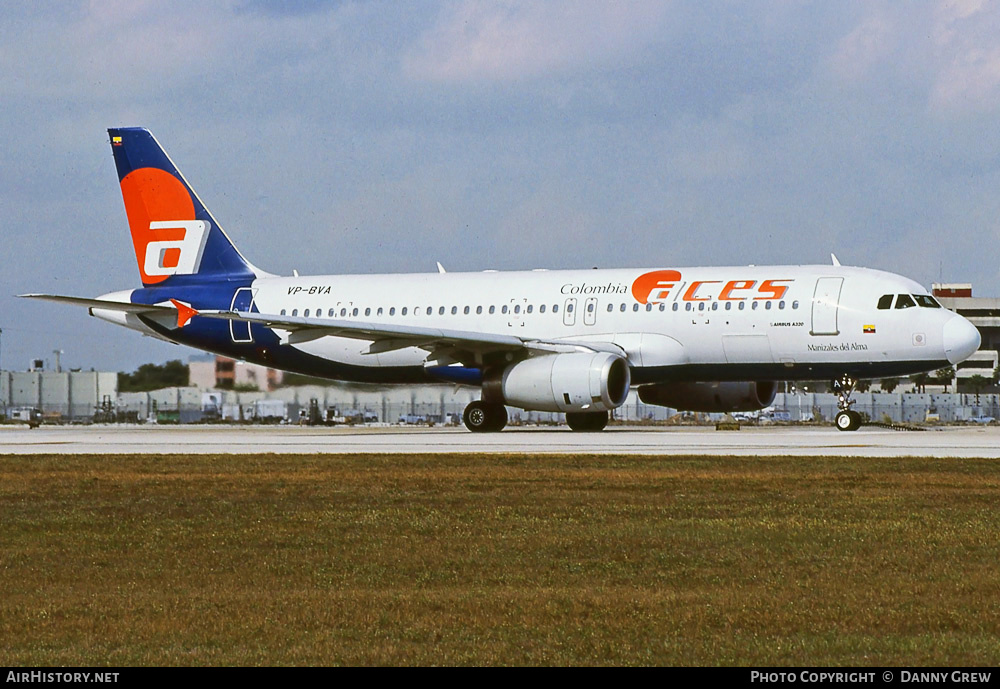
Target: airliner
709, 339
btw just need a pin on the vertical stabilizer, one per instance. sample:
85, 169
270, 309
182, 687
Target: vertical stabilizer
176, 239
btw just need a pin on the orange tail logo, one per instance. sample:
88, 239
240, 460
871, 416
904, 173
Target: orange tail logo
168, 240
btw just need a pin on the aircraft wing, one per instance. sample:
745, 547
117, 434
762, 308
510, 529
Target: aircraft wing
388, 337
382, 337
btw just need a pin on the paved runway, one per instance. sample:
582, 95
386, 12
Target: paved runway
749, 441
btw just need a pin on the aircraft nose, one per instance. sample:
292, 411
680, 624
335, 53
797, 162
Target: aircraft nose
961, 339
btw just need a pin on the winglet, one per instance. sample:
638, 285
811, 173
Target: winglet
833, 257
184, 313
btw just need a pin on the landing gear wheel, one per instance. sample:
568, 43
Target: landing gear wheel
587, 420
480, 417
848, 421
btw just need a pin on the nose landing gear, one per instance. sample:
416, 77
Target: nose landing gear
847, 419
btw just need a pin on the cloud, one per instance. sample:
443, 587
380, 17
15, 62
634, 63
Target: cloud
945, 51
507, 41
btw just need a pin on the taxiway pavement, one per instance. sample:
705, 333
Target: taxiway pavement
981, 442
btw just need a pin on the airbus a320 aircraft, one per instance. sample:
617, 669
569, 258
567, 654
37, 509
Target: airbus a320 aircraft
572, 341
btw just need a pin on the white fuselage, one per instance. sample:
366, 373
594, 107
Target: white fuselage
797, 317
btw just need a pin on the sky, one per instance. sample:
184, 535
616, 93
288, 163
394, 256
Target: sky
375, 136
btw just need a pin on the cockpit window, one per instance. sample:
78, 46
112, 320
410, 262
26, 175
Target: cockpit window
904, 301
926, 301
885, 302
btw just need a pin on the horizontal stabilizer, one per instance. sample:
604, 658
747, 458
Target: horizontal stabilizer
177, 310
127, 307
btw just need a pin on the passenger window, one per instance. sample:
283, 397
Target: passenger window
403, 312
623, 308
781, 305
479, 310
755, 305
767, 305
649, 307
715, 306
530, 308
492, 310
354, 312
330, 313
306, 314
743, 305
675, 307
343, 312
466, 311
368, 311
635, 307
885, 302
688, 307
795, 304
611, 307
430, 310
729, 306
701, 306
380, 311
454, 310
392, 310
590, 307
295, 312
283, 312
541, 308
503, 309
904, 301
569, 308
555, 308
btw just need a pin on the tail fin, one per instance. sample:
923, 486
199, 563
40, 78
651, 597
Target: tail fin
176, 239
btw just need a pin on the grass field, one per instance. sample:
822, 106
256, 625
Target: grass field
498, 560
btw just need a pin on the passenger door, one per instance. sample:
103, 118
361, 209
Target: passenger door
825, 304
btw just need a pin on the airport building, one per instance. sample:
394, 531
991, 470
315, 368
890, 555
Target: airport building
207, 371
60, 396
982, 312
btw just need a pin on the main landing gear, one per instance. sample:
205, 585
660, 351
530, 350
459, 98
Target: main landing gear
480, 417
847, 419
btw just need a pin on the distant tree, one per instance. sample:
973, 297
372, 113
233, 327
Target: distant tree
292, 379
154, 377
944, 376
920, 381
977, 383
888, 384
863, 385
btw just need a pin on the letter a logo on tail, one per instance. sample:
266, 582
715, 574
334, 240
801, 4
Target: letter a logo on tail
167, 257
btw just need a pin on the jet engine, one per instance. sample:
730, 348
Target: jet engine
710, 397
572, 382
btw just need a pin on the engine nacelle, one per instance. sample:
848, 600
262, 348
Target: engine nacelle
710, 397
579, 381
